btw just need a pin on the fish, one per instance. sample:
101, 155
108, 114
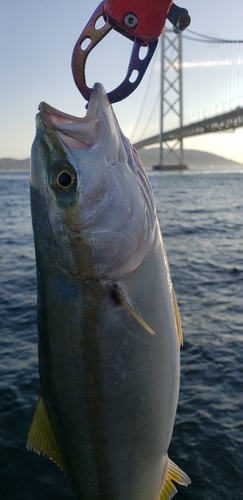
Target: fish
109, 329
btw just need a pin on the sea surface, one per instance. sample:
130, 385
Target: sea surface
201, 216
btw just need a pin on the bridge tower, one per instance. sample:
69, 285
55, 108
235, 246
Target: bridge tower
171, 105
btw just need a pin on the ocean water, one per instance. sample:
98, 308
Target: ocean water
201, 215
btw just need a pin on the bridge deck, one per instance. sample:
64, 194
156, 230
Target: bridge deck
226, 121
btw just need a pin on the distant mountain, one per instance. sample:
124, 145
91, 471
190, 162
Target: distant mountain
192, 158
149, 157
12, 165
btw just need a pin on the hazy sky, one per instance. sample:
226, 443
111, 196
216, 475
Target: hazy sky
37, 39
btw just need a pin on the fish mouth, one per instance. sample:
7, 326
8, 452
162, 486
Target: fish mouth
99, 125
75, 132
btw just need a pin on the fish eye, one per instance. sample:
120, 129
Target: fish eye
63, 178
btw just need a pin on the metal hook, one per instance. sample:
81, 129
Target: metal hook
89, 39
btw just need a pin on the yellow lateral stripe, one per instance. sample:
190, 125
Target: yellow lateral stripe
133, 313
41, 438
178, 318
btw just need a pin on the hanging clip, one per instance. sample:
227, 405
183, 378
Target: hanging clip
140, 23
89, 39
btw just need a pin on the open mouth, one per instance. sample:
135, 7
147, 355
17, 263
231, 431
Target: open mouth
98, 126
75, 132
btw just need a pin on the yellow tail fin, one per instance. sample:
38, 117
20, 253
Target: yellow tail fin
41, 438
172, 473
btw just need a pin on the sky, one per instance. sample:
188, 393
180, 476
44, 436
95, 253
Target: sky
37, 38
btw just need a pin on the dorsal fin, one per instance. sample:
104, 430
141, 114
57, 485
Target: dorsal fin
125, 302
178, 317
41, 438
172, 473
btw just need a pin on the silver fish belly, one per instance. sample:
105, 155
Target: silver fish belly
108, 323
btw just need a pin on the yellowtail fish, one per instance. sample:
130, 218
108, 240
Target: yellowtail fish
108, 323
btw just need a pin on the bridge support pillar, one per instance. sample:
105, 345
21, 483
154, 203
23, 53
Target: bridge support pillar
171, 105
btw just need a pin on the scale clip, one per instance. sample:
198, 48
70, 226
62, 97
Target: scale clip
89, 38
136, 27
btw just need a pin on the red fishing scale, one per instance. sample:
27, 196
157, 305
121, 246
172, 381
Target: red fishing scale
144, 20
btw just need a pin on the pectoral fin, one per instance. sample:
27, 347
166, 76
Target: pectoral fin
178, 318
125, 302
172, 473
41, 438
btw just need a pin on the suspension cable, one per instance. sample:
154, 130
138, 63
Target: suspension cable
146, 93
208, 39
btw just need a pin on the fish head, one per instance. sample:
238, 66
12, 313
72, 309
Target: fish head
92, 203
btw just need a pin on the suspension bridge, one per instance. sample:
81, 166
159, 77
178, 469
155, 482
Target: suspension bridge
200, 92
